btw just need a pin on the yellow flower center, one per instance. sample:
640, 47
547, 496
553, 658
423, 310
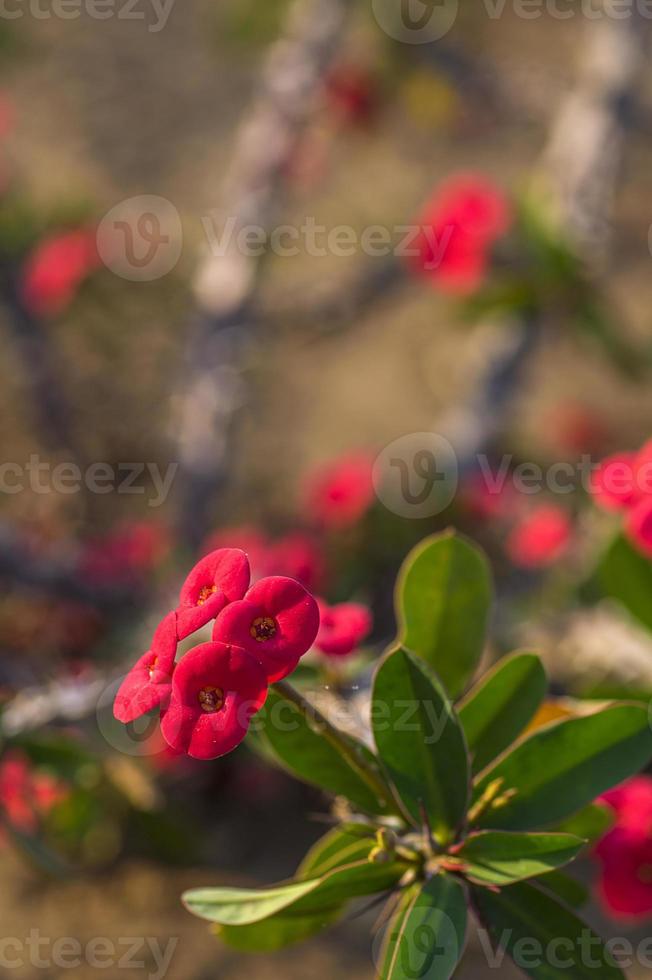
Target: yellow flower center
206, 592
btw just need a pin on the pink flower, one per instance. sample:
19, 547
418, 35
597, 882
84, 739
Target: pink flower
484, 501
638, 526
342, 627
632, 802
457, 229
614, 484
540, 538
626, 880
216, 689
216, 580
55, 269
340, 493
276, 622
149, 682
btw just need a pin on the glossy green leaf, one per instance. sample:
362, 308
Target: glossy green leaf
499, 708
626, 575
280, 930
341, 845
546, 940
500, 858
562, 768
570, 891
443, 599
420, 741
425, 938
308, 755
591, 823
244, 906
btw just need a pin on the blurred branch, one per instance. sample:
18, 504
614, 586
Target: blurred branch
226, 284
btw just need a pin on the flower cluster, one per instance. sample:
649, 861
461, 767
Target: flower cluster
458, 228
623, 484
208, 698
26, 793
625, 852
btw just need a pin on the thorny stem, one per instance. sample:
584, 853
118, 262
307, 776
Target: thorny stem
345, 746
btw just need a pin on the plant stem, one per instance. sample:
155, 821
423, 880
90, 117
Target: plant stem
343, 744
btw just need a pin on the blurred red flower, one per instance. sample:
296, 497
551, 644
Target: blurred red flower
130, 547
351, 94
296, 555
625, 852
458, 226
276, 622
614, 485
26, 793
342, 627
216, 689
56, 268
540, 538
338, 494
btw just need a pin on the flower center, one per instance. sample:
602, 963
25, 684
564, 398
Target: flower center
263, 628
205, 593
211, 699
152, 666
644, 874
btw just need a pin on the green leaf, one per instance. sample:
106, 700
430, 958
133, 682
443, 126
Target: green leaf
443, 599
499, 858
590, 824
562, 886
545, 939
561, 768
501, 705
420, 741
342, 845
280, 930
425, 939
626, 575
308, 755
244, 906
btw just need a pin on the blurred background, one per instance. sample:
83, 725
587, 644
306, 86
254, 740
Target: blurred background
318, 397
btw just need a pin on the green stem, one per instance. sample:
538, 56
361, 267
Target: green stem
340, 742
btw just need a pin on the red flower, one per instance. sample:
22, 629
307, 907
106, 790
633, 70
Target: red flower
56, 268
632, 802
484, 501
216, 580
133, 547
26, 793
626, 880
638, 526
341, 492
149, 682
457, 229
276, 622
216, 689
614, 483
351, 94
297, 556
540, 538
342, 627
